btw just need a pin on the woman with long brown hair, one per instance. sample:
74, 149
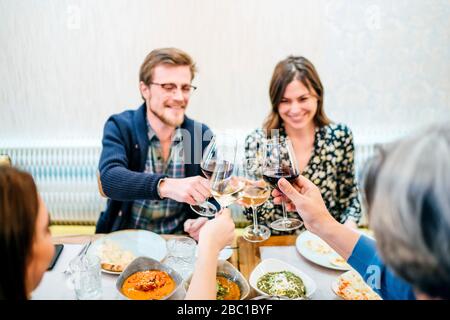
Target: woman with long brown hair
25, 242
324, 150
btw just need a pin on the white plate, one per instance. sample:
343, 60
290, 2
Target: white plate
275, 265
141, 243
224, 254
322, 259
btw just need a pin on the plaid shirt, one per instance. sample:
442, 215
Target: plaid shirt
161, 216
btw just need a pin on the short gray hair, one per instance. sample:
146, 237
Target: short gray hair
410, 211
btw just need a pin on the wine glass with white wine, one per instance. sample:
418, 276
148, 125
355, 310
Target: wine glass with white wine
221, 149
226, 185
256, 192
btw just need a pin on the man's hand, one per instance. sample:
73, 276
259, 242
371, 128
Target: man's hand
192, 190
193, 226
304, 197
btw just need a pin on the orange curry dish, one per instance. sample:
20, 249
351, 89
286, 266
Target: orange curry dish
148, 285
227, 289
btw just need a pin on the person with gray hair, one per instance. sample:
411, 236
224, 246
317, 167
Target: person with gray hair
407, 192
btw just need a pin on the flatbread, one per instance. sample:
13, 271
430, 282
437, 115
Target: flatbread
339, 262
113, 257
318, 246
351, 286
112, 267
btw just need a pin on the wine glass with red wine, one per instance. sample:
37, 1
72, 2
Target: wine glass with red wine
280, 163
221, 149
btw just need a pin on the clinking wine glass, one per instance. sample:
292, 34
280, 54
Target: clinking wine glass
222, 148
226, 185
280, 163
255, 193
206, 208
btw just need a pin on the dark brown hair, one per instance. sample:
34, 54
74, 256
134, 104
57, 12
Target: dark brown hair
170, 56
301, 69
18, 214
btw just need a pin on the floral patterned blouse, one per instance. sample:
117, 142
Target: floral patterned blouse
330, 167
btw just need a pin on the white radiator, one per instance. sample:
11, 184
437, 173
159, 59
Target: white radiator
66, 179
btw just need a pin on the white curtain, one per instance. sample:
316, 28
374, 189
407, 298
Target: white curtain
66, 65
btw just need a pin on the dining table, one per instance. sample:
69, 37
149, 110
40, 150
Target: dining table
245, 256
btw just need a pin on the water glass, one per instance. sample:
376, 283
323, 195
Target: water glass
181, 255
86, 277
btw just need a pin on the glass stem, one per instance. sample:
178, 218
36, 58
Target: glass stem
285, 218
255, 219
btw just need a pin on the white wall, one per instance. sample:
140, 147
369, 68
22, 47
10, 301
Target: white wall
65, 66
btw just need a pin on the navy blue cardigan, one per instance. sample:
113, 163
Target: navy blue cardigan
122, 164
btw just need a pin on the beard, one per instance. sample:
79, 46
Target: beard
166, 118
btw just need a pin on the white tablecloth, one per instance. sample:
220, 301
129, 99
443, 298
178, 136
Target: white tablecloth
55, 284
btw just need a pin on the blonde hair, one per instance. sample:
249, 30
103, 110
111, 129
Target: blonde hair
170, 56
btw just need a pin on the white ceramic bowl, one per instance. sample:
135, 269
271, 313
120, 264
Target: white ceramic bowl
275, 265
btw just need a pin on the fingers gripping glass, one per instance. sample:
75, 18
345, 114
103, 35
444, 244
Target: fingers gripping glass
280, 163
221, 149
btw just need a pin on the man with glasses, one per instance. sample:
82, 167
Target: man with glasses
150, 161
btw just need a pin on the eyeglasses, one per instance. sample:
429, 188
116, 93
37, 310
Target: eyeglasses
171, 88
